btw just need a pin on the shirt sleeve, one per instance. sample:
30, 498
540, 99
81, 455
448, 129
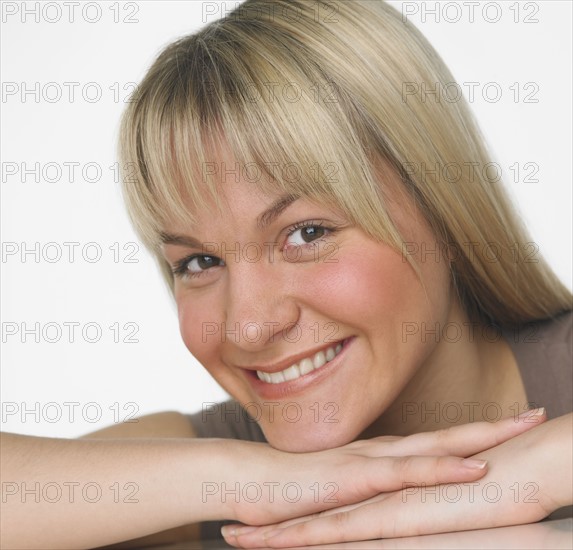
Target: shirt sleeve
226, 420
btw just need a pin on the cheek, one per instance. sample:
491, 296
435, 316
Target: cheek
375, 287
376, 294
199, 329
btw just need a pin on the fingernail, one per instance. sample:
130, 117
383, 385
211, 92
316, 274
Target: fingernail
230, 531
532, 413
474, 463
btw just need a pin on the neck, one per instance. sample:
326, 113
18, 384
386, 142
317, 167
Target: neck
467, 379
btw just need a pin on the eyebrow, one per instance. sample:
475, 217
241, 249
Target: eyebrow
275, 210
263, 220
179, 240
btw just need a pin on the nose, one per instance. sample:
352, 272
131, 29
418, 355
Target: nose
260, 305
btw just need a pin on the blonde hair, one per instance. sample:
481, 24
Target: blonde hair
324, 96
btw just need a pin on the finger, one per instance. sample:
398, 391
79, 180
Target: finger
230, 531
417, 511
346, 524
467, 439
347, 508
398, 473
371, 476
381, 476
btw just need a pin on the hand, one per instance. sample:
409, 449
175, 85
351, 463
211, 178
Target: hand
520, 487
374, 469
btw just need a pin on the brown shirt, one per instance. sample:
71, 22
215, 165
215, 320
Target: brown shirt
543, 354
543, 351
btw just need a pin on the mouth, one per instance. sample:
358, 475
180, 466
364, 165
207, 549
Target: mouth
305, 366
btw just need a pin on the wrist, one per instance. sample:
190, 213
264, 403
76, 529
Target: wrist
554, 449
212, 470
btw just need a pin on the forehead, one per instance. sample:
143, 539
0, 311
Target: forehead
221, 185
224, 186
207, 177
238, 204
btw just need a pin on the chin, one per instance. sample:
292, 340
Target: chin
306, 439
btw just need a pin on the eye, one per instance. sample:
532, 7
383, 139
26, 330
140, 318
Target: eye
202, 263
197, 265
305, 234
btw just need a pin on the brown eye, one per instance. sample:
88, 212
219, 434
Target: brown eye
202, 263
306, 235
312, 233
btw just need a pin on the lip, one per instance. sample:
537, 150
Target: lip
286, 363
292, 387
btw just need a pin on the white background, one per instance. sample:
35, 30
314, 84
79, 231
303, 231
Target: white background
157, 373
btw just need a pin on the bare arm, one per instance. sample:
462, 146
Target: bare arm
59, 493
164, 424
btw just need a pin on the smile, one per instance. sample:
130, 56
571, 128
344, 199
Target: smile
306, 365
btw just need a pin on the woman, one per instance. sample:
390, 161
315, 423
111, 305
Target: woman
322, 133
338, 286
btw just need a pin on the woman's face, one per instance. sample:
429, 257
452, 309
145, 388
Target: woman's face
301, 316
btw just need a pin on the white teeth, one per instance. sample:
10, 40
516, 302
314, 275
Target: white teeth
319, 360
276, 377
292, 373
264, 376
304, 367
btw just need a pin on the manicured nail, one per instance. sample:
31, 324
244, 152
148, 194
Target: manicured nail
474, 463
230, 531
533, 413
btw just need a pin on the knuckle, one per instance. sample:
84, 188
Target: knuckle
340, 524
405, 465
444, 439
441, 468
443, 434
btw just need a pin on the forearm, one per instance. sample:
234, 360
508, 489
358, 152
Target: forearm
59, 493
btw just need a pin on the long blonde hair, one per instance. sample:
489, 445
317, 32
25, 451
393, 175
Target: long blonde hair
309, 98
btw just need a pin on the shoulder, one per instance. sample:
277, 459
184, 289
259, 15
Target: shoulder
543, 351
557, 331
225, 420
546, 336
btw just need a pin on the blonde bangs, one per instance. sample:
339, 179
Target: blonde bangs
314, 108
289, 130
